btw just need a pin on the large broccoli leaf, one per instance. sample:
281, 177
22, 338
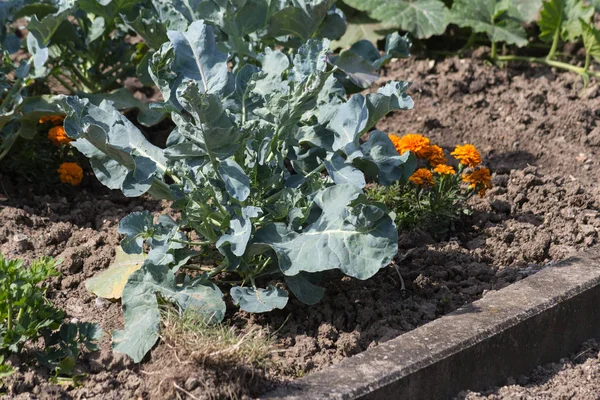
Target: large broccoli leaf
350, 234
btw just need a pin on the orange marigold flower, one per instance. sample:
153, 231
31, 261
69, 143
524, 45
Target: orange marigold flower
480, 178
443, 169
58, 136
421, 177
414, 142
53, 119
70, 172
435, 155
467, 155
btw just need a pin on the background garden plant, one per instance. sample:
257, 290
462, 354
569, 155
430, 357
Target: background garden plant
502, 22
26, 316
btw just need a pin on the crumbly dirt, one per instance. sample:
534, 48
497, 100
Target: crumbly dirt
536, 134
573, 378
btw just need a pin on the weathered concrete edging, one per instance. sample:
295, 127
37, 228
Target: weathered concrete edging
537, 320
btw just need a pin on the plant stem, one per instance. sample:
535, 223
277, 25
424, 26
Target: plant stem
64, 83
9, 319
494, 51
550, 63
588, 57
196, 268
88, 85
217, 270
555, 41
204, 243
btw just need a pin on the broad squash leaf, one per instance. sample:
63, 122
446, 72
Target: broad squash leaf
591, 40
523, 10
563, 16
300, 21
488, 16
422, 18
373, 32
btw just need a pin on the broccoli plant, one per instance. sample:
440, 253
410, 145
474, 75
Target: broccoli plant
265, 165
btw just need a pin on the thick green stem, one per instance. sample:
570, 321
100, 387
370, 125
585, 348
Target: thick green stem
204, 243
217, 270
550, 63
587, 61
555, 41
493, 54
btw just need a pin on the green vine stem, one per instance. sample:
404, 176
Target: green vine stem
555, 41
583, 71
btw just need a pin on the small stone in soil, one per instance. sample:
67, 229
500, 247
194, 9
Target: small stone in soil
101, 303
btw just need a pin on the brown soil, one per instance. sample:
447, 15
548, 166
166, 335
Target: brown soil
573, 378
538, 137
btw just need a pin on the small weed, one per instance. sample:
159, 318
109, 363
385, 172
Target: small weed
191, 332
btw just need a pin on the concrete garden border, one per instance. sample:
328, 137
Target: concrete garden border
509, 332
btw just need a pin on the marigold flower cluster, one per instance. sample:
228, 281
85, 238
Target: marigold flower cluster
58, 136
422, 177
481, 178
71, 173
467, 155
477, 177
418, 144
55, 120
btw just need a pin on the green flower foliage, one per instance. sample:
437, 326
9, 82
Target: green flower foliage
246, 167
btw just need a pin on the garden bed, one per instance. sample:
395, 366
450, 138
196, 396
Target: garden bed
537, 136
576, 377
